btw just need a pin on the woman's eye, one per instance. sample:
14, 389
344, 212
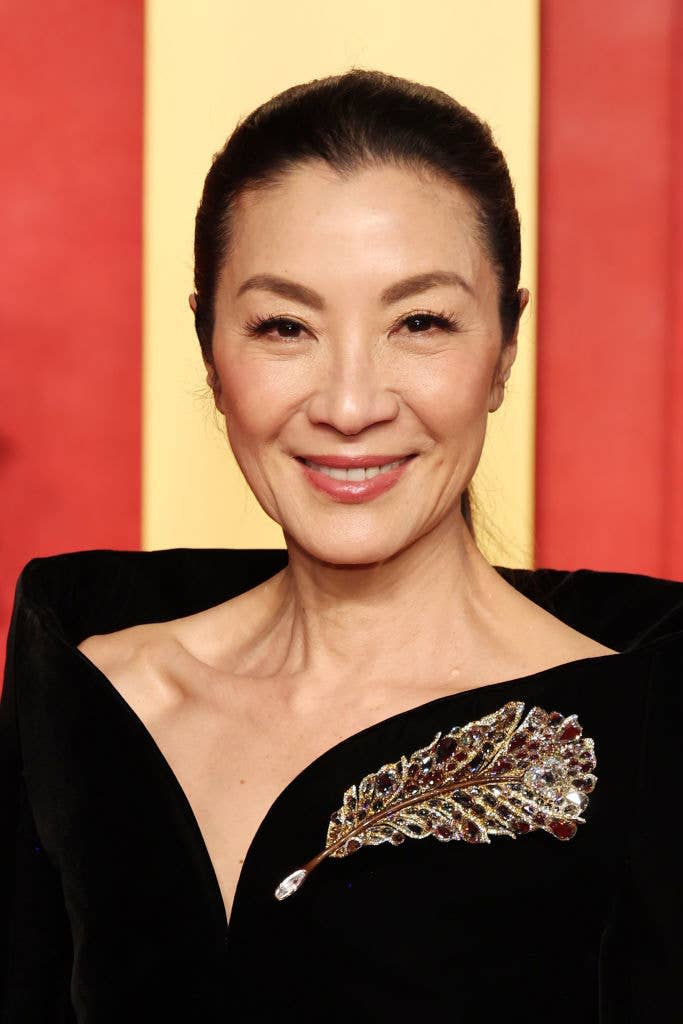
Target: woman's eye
420, 323
284, 328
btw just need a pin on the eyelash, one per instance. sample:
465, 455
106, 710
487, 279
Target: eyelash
260, 325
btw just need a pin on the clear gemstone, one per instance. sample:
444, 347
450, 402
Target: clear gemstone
575, 801
290, 884
545, 776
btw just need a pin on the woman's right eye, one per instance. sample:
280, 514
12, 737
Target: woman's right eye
285, 327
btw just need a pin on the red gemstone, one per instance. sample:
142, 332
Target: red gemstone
385, 782
444, 831
562, 829
352, 845
521, 826
517, 740
555, 716
445, 748
471, 831
570, 732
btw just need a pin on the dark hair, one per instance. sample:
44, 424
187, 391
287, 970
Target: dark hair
350, 121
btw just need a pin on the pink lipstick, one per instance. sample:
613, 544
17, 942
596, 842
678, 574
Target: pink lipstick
354, 479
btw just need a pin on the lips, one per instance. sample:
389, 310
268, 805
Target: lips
355, 483
355, 472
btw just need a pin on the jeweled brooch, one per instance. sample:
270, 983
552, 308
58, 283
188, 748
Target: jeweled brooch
497, 776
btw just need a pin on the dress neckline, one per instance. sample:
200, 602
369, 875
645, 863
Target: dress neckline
446, 700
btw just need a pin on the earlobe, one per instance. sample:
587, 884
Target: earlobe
214, 383
192, 299
523, 301
502, 374
497, 394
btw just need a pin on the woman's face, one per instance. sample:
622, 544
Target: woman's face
358, 317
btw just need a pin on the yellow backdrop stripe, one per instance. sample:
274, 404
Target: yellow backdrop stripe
207, 65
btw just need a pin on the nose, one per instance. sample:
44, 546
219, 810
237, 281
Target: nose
354, 390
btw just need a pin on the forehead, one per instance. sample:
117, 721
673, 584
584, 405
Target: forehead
375, 221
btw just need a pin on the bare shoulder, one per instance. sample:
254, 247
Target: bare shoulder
123, 647
553, 639
156, 665
141, 662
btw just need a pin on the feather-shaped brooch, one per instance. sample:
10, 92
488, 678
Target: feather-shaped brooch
497, 776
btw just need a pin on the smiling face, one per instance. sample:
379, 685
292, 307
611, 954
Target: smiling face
384, 339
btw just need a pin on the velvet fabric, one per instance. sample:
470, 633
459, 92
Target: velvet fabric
111, 909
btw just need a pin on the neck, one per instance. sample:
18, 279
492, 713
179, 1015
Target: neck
416, 616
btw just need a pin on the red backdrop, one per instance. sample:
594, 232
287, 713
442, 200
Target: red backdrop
609, 437
70, 207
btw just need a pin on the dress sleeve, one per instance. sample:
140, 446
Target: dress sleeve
653, 917
36, 950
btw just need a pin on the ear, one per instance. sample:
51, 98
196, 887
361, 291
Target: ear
506, 359
214, 383
192, 298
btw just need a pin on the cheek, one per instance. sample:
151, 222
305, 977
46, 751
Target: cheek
451, 394
258, 395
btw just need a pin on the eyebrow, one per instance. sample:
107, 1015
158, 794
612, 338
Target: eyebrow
394, 293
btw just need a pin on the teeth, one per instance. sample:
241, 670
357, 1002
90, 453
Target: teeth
356, 474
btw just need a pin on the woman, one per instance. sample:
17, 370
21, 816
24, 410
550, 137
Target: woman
313, 781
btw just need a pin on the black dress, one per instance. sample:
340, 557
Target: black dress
111, 908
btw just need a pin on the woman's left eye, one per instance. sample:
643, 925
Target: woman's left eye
422, 322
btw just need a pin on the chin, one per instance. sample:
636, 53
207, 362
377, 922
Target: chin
347, 550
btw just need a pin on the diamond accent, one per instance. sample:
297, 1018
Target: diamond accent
290, 884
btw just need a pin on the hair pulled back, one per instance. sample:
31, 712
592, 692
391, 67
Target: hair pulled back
351, 121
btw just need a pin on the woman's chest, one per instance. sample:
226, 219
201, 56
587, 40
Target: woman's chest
234, 762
